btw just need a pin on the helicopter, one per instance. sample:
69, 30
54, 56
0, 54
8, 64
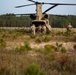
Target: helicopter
40, 20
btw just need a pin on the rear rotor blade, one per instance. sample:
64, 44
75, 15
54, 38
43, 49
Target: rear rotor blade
24, 5
27, 14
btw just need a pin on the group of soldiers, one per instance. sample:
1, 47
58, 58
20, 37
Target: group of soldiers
42, 28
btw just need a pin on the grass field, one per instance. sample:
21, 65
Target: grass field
22, 53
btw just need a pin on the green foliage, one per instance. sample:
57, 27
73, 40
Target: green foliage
46, 39
48, 48
38, 40
58, 46
48, 32
33, 69
32, 36
63, 49
11, 20
67, 39
59, 33
2, 43
20, 49
25, 47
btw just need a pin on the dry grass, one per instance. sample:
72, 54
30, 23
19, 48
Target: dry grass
48, 61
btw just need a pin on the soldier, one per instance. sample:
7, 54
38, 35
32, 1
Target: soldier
44, 29
33, 29
69, 27
46, 18
39, 28
47, 25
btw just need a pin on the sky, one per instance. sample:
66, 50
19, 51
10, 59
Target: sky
8, 6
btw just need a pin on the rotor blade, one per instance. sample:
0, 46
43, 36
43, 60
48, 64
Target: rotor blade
54, 5
26, 14
50, 8
24, 5
32, 1
58, 3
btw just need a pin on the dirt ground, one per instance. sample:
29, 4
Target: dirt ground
20, 41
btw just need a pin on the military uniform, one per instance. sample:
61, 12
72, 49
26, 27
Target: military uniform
69, 28
47, 25
33, 29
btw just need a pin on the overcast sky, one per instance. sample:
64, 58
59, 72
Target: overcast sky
8, 6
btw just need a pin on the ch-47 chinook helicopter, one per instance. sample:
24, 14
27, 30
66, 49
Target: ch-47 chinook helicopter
40, 22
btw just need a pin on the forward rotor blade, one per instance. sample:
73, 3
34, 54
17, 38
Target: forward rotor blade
54, 5
58, 3
24, 5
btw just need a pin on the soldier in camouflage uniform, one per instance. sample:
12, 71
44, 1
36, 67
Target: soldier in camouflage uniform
39, 28
44, 29
69, 27
33, 29
47, 25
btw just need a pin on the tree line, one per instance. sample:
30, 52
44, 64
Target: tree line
58, 21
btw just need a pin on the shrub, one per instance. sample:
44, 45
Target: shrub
65, 33
58, 46
46, 39
2, 43
20, 49
59, 33
67, 40
33, 69
48, 32
38, 40
27, 45
47, 48
63, 50
32, 36
23, 48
